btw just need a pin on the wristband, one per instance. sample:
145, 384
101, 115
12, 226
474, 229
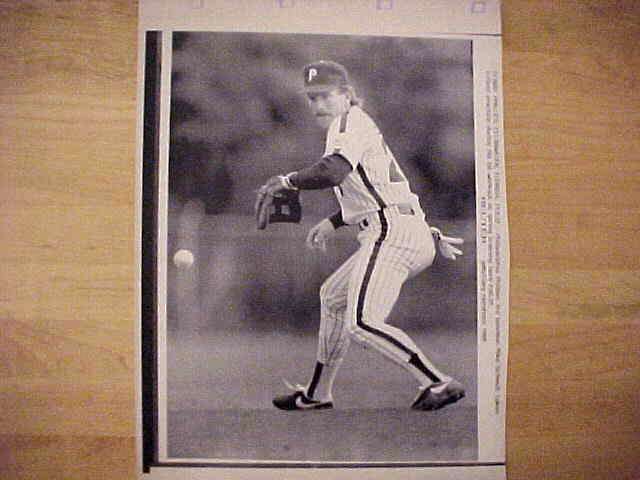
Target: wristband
337, 220
287, 181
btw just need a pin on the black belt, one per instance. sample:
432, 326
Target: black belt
403, 209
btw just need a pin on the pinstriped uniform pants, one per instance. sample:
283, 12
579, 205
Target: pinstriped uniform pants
358, 297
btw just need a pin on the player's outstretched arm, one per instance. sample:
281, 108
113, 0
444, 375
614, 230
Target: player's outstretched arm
328, 172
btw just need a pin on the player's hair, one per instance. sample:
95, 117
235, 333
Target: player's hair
354, 99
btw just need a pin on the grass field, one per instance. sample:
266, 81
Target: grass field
221, 387
362, 435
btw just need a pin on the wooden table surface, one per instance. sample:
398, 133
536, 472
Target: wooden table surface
67, 143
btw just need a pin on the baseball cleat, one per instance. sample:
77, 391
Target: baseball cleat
298, 400
438, 395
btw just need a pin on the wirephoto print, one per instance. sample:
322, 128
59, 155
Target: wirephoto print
320, 252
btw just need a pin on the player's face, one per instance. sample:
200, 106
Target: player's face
326, 106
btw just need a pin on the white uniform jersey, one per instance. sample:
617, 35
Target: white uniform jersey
395, 244
376, 182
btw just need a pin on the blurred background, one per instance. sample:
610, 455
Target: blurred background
246, 314
239, 116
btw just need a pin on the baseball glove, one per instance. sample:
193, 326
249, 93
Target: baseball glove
280, 207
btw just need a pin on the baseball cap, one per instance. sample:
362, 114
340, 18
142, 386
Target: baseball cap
324, 75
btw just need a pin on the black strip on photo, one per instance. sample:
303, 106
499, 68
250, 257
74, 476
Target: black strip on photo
150, 164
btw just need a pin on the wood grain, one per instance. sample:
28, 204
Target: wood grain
572, 133
67, 124
67, 133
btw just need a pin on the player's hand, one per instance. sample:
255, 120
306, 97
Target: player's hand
274, 185
446, 244
317, 237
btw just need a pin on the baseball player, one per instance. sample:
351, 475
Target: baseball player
396, 243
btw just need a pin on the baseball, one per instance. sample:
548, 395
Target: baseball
183, 258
